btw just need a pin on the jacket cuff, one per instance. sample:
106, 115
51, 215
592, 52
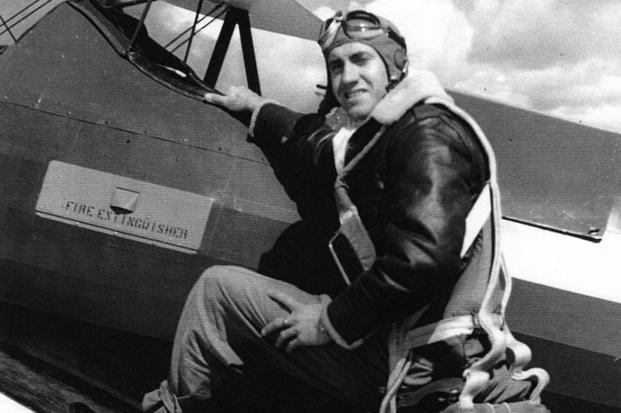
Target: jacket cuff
255, 114
272, 124
325, 322
354, 313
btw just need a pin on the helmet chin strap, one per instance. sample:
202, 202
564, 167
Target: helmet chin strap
392, 83
394, 80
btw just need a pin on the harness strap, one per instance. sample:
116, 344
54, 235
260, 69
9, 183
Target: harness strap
477, 375
478, 215
351, 224
490, 316
353, 229
446, 328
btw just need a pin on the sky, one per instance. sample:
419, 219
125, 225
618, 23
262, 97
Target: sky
558, 57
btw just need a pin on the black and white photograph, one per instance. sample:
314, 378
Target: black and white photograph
279, 206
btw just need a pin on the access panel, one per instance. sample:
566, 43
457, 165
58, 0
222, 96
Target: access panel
125, 207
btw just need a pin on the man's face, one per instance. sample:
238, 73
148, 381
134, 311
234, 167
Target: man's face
358, 78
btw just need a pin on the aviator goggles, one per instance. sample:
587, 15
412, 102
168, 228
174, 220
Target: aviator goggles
357, 25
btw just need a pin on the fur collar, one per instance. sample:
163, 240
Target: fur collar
416, 87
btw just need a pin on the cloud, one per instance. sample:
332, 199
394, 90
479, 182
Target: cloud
164, 20
533, 34
585, 92
526, 53
589, 82
603, 116
583, 84
523, 33
531, 54
438, 34
289, 67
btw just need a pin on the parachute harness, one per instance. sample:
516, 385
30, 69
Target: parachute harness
490, 317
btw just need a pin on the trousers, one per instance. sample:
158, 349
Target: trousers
219, 333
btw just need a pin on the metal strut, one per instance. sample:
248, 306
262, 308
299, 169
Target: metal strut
140, 25
234, 17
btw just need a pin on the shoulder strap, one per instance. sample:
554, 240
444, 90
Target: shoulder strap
478, 215
348, 213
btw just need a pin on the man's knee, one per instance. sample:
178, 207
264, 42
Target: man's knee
215, 275
224, 281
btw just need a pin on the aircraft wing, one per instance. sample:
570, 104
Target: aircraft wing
280, 16
552, 173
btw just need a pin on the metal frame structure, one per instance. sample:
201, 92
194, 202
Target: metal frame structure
234, 17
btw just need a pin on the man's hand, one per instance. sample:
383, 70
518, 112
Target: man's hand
301, 327
237, 99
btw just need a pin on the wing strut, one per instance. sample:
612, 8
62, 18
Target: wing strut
139, 26
234, 17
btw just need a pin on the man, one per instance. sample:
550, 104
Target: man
373, 279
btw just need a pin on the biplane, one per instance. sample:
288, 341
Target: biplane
119, 186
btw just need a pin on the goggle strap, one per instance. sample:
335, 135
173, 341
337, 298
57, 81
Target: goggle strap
330, 28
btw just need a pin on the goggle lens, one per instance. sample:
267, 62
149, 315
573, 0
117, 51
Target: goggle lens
360, 21
356, 25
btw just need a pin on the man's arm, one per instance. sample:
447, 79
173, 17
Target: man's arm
273, 129
284, 136
242, 99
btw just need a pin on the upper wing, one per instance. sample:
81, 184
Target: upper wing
280, 16
552, 173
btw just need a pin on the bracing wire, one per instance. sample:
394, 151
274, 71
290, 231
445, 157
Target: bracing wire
201, 29
180, 35
187, 50
9, 27
22, 10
